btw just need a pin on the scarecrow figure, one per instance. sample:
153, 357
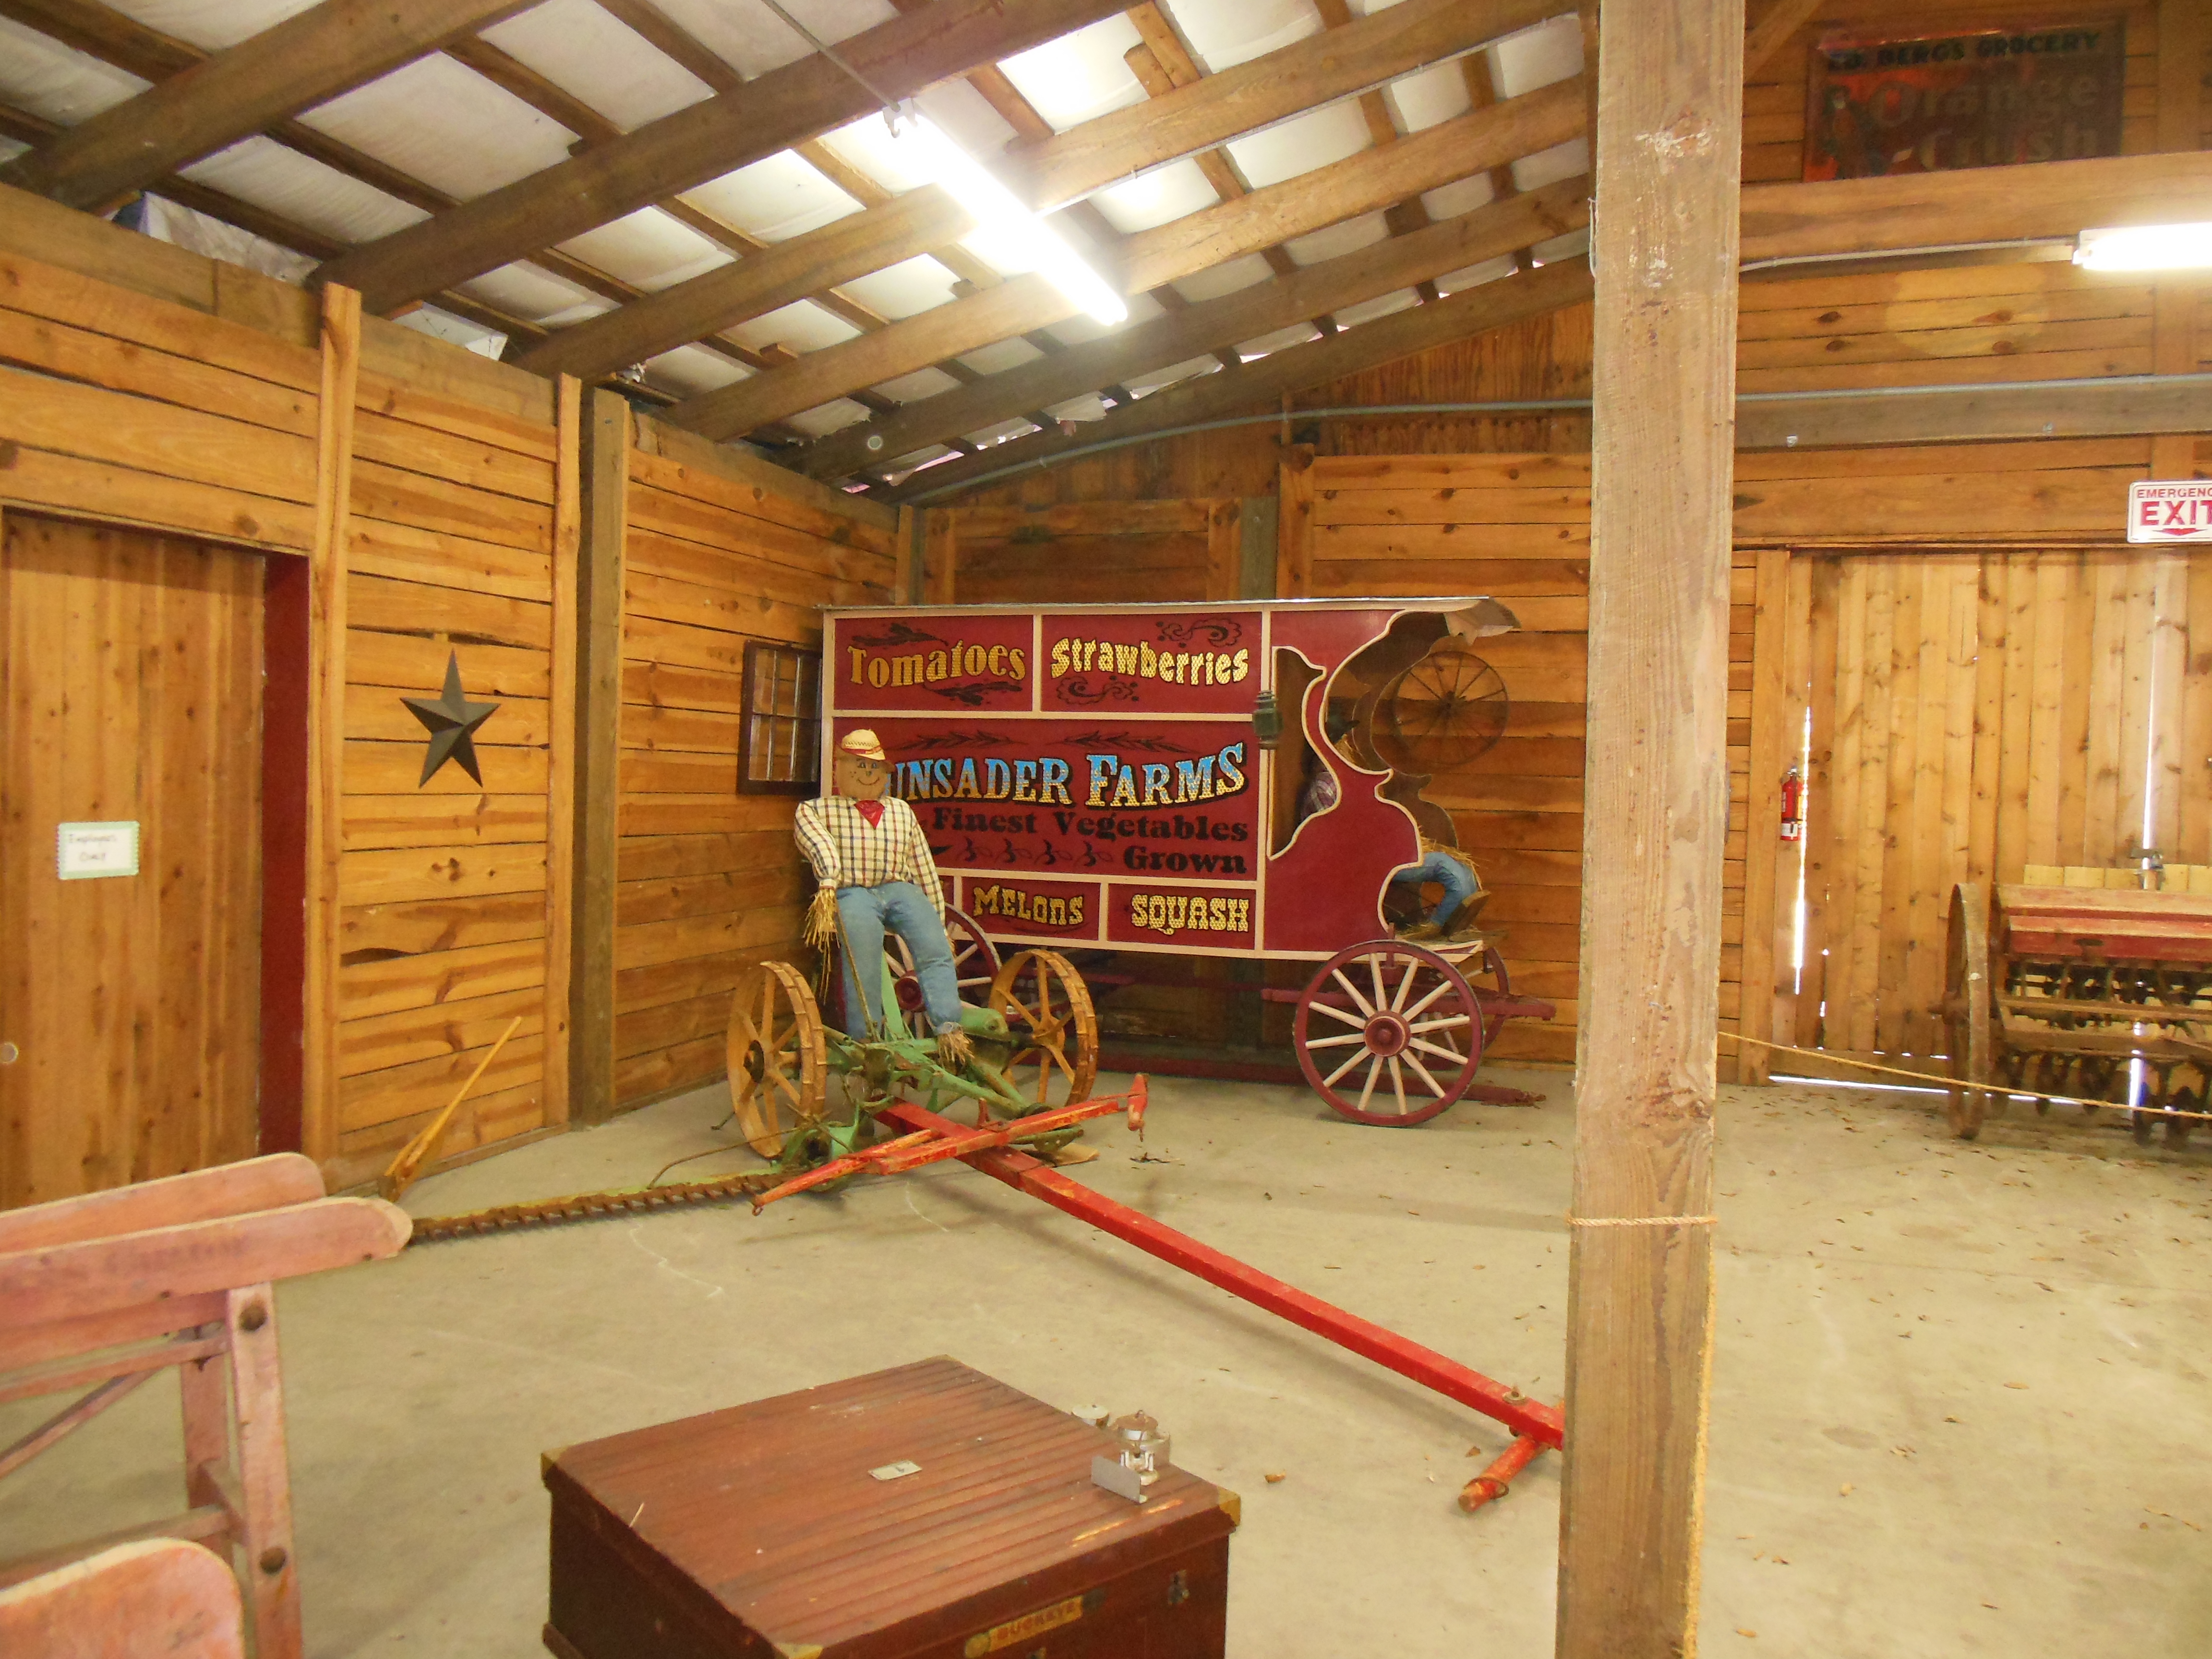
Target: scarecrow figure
874, 866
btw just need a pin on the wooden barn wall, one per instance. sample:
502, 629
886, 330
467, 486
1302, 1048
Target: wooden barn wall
1164, 550
709, 880
147, 385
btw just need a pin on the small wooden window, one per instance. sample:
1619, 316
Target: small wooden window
780, 745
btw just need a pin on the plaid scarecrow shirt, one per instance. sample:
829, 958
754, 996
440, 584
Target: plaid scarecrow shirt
847, 851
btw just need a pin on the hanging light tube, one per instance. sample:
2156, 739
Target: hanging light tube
2145, 248
997, 210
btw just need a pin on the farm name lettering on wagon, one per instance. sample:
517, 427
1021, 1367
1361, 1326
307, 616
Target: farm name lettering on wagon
1141, 661
1112, 781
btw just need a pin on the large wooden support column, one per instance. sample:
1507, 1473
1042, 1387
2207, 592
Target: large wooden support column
603, 462
1670, 106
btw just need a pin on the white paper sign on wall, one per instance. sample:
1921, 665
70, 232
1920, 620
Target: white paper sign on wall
85, 852
2174, 511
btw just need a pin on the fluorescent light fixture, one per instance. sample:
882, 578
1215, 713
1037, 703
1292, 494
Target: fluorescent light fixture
998, 212
2145, 248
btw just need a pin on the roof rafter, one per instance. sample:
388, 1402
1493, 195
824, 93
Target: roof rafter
305, 59
1260, 383
1360, 184
1385, 267
772, 112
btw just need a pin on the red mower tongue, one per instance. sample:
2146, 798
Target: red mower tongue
870, 810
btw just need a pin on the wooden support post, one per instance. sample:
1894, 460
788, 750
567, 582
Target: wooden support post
1639, 1315
326, 688
603, 463
568, 510
1257, 536
940, 554
1224, 548
1294, 525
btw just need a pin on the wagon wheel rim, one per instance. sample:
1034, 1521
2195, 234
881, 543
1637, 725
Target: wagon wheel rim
1448, 697
1969, 1042
974, 961
778, 1069
1388, 1034
1048, 1007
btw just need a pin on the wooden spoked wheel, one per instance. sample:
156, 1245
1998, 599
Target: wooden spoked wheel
1968, 996
974, 962
1055, 1028
778, 1071
1388, 1034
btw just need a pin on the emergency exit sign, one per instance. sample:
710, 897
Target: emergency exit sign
2176, 511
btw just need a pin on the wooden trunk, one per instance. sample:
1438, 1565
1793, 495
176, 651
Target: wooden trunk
760, 1531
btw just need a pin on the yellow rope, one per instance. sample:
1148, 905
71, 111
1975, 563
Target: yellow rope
1930, 1080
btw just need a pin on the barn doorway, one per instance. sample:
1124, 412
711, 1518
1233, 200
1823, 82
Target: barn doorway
130, 856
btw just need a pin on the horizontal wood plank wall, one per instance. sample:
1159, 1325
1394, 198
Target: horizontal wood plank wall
708, 879
1517, 527
141, 411
1774, 100
1164, 552
444, 886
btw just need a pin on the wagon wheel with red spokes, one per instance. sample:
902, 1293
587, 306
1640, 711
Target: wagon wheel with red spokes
1388, 1034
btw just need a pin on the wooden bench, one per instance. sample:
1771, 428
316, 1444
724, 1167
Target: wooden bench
104, 1291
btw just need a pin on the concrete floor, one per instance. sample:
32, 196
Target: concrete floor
1959, 1398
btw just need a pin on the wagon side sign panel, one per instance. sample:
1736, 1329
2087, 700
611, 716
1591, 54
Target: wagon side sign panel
1124, 662
1010, 906
1071, 798
897, 663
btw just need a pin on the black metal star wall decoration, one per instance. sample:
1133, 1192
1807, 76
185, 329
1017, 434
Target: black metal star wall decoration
452, 721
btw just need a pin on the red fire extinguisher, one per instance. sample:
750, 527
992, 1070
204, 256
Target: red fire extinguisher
1793, 806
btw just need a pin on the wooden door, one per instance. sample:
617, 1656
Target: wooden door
1972, 714
132, 694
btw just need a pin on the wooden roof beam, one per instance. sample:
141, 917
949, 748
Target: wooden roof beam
1360, 184
1259, 384
1386, 267
786, 105
300, 62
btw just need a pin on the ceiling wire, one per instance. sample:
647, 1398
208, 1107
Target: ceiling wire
890, 103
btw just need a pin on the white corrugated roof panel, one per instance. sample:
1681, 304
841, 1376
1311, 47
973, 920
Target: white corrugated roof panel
1346, 236
829, 417
538, 296
1005, 354
1190, 369
1382, 304
262, 171
1430, 96
1155, 197
774, 199
909, 287
922, 383
1574, 245
1220, 33
1294, 334
589, 55
748, 34
1302, 143
1079, 76
647, 249
1567, 161
1537, 56
692, 369
49, 80
1217, 280
1461, 196
211, 25
1088, 407
1474, 276
803, 326
446, 125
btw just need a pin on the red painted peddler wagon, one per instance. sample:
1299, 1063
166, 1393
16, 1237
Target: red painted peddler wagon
1238, 780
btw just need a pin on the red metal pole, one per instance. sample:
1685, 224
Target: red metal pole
1529, 1417
1494, 1481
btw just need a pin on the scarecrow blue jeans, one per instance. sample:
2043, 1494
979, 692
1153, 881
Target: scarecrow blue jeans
1448, 873
904, 910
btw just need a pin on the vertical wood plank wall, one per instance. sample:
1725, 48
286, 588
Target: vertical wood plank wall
708, 880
